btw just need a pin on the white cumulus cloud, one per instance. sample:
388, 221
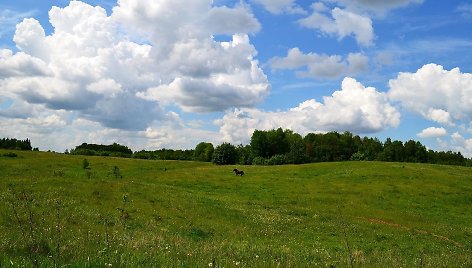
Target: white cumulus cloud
341, 23
280, 6
380, 7
461, 144
354, 108
321, 66
121, 69
432, 132
435, 93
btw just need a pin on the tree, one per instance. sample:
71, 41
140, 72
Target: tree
421, 153
347, 146
225, 154
296, 155
259, 144
278, 143
245, 156
392, 151
309, 141
370, 148
203, 152
410, 151
327, 147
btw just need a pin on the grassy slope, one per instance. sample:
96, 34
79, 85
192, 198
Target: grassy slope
192, 214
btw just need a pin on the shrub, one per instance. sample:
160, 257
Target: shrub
88, 174
10, 154
85, 164
117, 172
59, 173
278, 159
225, 154
203, 152
358, 157
259, 161
245, 155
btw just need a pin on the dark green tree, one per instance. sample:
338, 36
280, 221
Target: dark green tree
259, 144
203, 152
278, 143
225, 154
421, 153
371, 148
296, 155
309, 141
245, 156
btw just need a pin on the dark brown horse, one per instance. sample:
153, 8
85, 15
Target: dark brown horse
238, 172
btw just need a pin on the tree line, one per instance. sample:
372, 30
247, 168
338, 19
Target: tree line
118, 150
115, 150
15, 144
278, 146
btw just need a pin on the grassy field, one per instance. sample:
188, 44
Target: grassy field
139, 213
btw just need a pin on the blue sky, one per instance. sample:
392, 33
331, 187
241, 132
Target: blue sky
172, 73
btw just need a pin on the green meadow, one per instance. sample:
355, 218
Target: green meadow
140, 213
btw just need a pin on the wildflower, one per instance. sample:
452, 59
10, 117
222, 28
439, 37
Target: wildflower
210, 264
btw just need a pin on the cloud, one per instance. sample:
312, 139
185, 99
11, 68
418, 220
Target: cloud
184, 137
321, 66
432, 132
379, 7
465, 10
61, 130
236, 82
354, 108
107, 68
17, 109
436, 94
461, 144
9, 18
340, 23
280, 6
224, 20
20, 65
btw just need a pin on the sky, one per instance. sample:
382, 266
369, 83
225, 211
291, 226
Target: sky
173, 73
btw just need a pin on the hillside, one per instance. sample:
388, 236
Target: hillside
129, 212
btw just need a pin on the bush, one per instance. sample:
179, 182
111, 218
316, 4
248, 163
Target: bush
203, 152
259, 161
278, 159
10, 154
225, 154
82, 152
117, 172
358, 157
85, 164
142, 155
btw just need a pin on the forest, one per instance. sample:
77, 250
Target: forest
278, 147
15, 144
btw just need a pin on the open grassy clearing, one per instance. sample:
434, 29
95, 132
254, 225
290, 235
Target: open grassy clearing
174, 213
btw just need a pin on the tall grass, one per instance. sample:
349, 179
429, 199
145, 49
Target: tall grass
194, 214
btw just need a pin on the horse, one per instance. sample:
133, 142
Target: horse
238, 172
